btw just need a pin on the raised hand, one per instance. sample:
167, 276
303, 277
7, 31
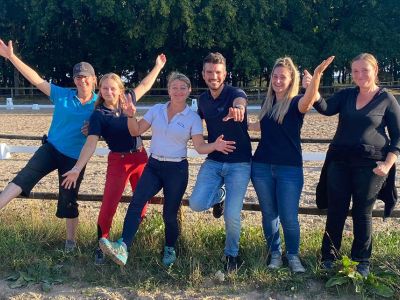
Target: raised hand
127, 106
236, 113
224, 146
70, 178
6, 50
322, 66
305, 82
161, 60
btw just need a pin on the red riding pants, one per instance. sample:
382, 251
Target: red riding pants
121, 168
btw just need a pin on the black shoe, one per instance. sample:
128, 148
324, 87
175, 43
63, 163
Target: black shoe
218, 209
327, 265
363, 269
233, 263
99, 257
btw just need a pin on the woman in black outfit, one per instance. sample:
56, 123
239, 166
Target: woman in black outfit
360, 157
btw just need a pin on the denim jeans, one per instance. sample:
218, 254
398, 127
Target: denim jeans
346, 181
278, 189
172, 177
235, 177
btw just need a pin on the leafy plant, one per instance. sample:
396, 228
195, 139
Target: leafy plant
371, 285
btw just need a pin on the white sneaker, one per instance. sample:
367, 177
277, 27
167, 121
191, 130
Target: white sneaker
295, 264
276, 261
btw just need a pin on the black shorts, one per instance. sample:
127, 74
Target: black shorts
45, 160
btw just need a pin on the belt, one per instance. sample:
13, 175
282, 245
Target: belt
130, 151
164, 158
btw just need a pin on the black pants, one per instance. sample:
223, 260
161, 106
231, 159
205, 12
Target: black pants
348, 180
172, 177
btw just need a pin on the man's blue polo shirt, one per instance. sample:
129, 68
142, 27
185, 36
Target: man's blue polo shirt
213, 111
68, 118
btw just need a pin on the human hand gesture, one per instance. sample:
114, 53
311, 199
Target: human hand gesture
305, 82
70, 178
236, 113
127, 106
6, 50
322, 66
224, 146
382, 169
161, 60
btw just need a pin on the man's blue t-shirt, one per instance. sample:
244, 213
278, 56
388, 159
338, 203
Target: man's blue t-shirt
280, 144
68, 118
213, 111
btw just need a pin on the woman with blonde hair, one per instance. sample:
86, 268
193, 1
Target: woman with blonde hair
365, 147
127, 157
277, 172
173, 124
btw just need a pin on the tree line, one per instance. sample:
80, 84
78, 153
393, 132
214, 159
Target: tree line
125, 36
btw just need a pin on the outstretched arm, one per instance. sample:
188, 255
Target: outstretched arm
86, 153
219, 145
146, 84
311, 95
31, 75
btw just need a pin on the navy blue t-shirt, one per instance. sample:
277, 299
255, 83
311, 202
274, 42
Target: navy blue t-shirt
280, 144
213, 111
113, 127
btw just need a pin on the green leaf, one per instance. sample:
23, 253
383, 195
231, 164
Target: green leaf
336, 280
19, 283
383, 290
13, 277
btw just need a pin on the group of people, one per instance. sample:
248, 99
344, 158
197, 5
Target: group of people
358, 162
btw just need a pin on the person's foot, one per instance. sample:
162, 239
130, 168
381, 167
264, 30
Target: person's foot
218, 209
327, 265
276, 261
117, 251
363, 268
99, 257
295, 264
169, 256
233, 263
70, 246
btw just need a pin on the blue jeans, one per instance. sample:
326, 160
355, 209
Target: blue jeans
235, 177
278, 189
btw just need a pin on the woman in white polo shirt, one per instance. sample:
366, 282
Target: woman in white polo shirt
173, 124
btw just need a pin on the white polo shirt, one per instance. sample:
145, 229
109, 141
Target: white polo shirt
170, 139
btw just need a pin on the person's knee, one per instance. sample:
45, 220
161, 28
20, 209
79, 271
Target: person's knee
197, 204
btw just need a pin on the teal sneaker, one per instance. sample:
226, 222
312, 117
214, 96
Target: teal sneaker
117, 251
169, 256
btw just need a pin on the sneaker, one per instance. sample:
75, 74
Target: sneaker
70, 246
233, 263
295, 264
275, 261
169, 256
117, 251
363, 269
327, 264
218, 209
99, 257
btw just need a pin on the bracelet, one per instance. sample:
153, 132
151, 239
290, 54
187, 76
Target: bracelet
240, 106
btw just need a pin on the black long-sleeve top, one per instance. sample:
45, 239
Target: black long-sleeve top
365, 126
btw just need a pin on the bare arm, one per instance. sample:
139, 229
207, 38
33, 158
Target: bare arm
86, 153
31, 75
219, 145
306, 102
146, 84
136, 127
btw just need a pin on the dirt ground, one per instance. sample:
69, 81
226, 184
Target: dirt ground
36, 123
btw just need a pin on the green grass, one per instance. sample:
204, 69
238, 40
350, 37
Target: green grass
32, 243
